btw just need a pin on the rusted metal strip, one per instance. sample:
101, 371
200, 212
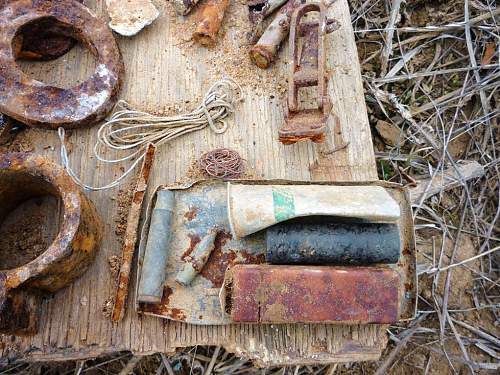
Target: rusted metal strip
39, 40
40, 105
307, 69
212, 15
131, 235
307, 294
25, 176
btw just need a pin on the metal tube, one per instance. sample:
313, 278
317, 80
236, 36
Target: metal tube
156, 253
212, 15
264, 52
195, 262
333, 243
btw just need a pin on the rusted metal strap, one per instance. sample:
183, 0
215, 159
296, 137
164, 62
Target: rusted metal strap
131, 235
307, 69
40, 105
302, 294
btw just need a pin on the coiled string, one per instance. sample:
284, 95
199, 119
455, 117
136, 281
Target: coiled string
130, 130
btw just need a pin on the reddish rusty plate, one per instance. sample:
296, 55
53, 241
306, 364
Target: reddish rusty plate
312, 294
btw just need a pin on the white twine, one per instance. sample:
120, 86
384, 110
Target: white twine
132, 130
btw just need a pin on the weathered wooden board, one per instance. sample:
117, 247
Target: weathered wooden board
163, 70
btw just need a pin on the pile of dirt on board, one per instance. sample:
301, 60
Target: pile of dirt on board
27, 232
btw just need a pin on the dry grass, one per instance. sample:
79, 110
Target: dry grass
431, 74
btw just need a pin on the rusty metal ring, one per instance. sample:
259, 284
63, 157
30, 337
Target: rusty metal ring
40, 40
40, 105
22, 177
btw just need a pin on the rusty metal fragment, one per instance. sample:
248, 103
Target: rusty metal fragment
265, 51
183, 7
128, 17
131, 235
260, 9
307, 69
40, 40
196, 260
307, 294
24, 176
40, 105
212, 15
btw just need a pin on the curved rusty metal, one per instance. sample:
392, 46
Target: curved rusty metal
40, 40
40, 105
24, 176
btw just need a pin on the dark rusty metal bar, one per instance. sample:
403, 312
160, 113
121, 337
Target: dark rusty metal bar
333, 242
305, 294
36, 104
40, 40
307, 69
134, 216
24, 176
212, 15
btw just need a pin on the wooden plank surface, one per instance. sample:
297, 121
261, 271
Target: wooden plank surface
164, 71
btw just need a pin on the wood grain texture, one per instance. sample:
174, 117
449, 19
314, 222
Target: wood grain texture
160, 72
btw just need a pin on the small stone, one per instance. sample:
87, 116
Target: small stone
390, 133
128, 17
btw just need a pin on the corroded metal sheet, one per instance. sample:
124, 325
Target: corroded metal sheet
200, 207
311, 294
37, 104
24, 176
198, 210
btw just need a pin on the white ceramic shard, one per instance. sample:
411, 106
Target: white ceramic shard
128, 17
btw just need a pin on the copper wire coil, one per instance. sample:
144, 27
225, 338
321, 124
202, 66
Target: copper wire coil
222, 163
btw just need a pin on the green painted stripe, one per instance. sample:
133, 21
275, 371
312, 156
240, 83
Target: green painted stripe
284, 204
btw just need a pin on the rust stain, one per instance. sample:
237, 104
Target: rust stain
194, 240
162, 308
47, 106
24, 175
251, 258
219, 260
191, 214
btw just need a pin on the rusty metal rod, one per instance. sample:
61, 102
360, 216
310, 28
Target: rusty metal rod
211, 21
131, 235
264, 52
